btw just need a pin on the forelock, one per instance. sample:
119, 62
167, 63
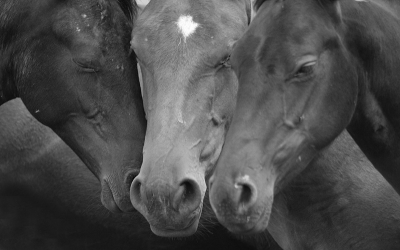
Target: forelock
130, 8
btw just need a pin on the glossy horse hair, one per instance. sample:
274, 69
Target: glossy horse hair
130, 8
9, 28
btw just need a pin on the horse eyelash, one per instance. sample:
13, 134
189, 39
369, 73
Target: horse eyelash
226, 61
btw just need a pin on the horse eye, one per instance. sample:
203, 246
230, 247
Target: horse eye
86, 65
226, 62
306, 69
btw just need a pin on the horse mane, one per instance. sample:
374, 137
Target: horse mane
129, 7
8, 90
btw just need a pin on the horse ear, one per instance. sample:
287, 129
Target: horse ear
248, 5
249, 10
333, 8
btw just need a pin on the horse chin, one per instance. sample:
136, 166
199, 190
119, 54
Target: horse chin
247, 224
250, 228
115, 206
187, 231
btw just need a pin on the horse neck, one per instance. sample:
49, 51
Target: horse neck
319, 195
372, 38
23, 140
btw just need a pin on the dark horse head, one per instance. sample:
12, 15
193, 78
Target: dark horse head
69, 62
183, 48
297, 92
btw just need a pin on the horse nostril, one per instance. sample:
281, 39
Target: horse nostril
130, 176
247, 195
135, 192
190, 190
210, 182
188, 196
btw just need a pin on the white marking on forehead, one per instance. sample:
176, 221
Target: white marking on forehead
186, 26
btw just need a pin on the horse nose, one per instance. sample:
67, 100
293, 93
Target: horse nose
130, 176
184, 198
187, 197
136, 194
245, 195
229, 198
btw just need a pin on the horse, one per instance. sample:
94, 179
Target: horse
183, 49
70, 63
317, 82
340, 201
49, 199
294, 64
